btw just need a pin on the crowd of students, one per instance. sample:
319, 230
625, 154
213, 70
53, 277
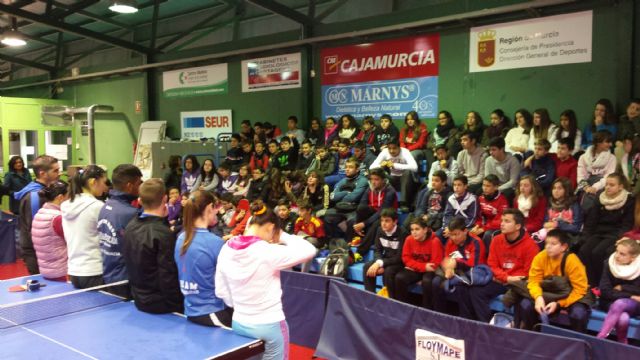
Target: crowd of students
494, 196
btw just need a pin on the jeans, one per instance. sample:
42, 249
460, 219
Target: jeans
274, 335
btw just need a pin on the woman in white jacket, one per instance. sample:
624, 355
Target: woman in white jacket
517, 139
80, 225
248, 278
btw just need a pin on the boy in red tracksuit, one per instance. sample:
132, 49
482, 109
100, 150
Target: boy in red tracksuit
492, 203
309, 227
462, 251
422, 253
240, 218
510, 258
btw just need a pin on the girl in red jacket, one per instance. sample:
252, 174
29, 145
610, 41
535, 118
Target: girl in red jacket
421, 254
413, 136
531, 202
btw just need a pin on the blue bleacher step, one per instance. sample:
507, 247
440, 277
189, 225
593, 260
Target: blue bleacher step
356, 274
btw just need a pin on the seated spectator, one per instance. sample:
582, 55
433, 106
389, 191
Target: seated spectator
272, 148
271, 132
246, 131
563, 211
461, 204
287, 158
594, 166
517, 139
471, 161
259, 133
498, 128
287, 217
173, 178
504, 165
510, 257
530, 200
316, 192
444, 163
344, 153
114, 216
555, 260
385, 133
629, 125
259, 158
348, 127
445, 134
324, 162
330, 132
292, 129
462, 251
474, 124
422, 253
174, 207
316, 133
147, 251
568, 129
413, 136
243, 181
259, 186
239, 219
335, 146
402, 169
228, 179
345, 198
610, 217
225, 212
208, 179
306, 156
235, 155
47, 234
277, 189
543, 128
309, 227
620, 289
604, 119
247, 151
367, 133
364, 155
431, 202
196, 255
491, 207
380, 195
190, 174
566, 165
541, 165
630, 162
387, 258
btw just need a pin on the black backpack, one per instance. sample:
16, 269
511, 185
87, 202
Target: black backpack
338, 261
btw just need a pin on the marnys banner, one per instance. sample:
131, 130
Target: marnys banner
204, 80
386, 77
271, 73
552, 40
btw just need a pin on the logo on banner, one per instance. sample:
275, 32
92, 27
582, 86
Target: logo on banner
430, 345
331, 64
486, 48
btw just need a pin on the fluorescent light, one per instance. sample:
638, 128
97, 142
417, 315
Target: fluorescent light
124, 6
13, 38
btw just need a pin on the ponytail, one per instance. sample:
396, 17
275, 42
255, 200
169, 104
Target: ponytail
81, 179
54, 190
194, 208
261, 215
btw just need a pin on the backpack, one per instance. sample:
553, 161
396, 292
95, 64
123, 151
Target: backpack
338, 261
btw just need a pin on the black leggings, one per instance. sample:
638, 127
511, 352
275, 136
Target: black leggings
222, 317
406, 278
83, 282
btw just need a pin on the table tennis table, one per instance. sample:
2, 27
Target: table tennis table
111, 329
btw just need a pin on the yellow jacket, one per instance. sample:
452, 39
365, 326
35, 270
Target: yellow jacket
543, 266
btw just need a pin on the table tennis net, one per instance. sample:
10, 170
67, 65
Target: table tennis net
29, 311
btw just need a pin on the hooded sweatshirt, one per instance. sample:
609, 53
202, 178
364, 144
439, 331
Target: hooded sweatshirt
511, 258
80, 224
378, 200
248, 275
188, 180
465, 206
471, 164
491, 209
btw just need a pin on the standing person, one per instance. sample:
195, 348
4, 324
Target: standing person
47, 171
47, 234
248, 278
620, 288
80, 223
498, 128
196, 255
114, 216
148, 254
517, 139
604, 118
471, 161
190, 174
422, 253
568, 129
15, 180
413, 136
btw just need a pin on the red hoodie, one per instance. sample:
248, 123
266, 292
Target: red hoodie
535, 220
472, 249
491, 212
240, 226
417, 254
511, 259
420, 143
259, 161
567, 168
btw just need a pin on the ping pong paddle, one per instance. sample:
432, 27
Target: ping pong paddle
20, 288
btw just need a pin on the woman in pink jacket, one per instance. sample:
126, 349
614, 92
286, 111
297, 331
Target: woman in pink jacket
46, 231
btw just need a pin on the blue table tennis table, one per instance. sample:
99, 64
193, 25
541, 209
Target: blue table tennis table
113, 329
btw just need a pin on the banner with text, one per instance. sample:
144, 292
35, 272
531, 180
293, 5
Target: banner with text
552, 40
271, 73
205, 124
205, 80
386, 77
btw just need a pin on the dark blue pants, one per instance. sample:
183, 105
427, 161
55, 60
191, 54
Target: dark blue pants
473, 301
578, 315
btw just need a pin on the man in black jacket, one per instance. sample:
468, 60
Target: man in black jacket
148, 253
259, 187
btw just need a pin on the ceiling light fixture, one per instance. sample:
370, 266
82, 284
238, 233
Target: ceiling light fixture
124, 6
13, 37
